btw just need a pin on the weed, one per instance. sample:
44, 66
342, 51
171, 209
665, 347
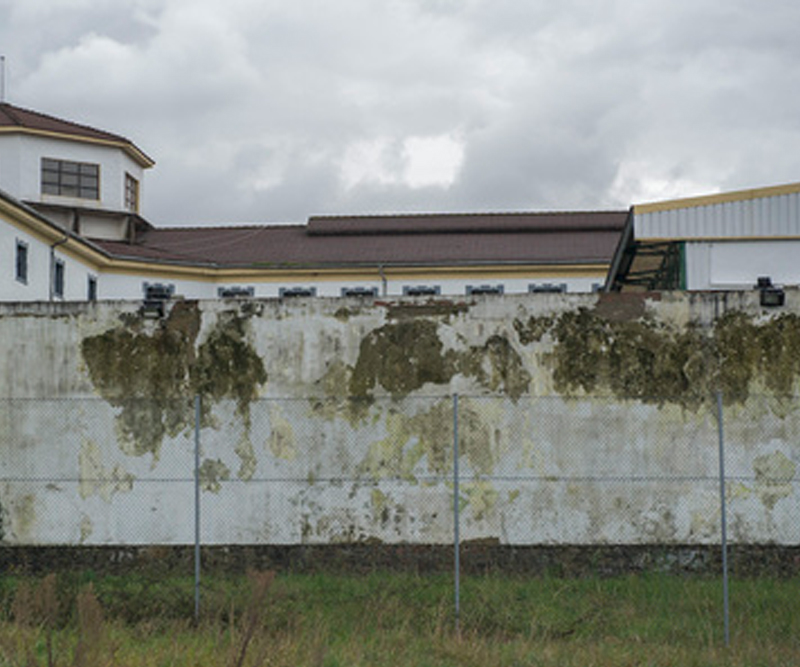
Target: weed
383, 620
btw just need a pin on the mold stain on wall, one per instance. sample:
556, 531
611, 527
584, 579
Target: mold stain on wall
153, 375
95, 478
212, 473
281, 442
645, 359
401, 357
422, 445
773, 477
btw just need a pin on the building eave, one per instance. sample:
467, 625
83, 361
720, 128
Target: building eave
133, 151
720, 198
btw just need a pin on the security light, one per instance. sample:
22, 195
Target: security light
770, 296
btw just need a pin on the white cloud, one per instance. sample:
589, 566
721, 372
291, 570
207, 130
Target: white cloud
283, 109
432, 161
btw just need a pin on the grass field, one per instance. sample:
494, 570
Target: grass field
396, 619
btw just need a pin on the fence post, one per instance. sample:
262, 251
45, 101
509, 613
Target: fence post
197, 508
724, 520
456, 518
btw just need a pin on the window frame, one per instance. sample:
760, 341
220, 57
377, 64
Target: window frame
21, 262
547, 288
132, 190
59, 278
91, 287
359, 292
485, 290
422, 290
297, 292
68, 178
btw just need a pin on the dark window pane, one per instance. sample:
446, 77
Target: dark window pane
58, 279
22, 262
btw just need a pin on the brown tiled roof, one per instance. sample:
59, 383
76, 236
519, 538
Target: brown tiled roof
17, 118
424, 240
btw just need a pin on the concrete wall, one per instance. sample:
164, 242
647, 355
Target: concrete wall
582, 419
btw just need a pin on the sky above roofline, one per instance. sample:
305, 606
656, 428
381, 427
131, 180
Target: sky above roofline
265, 111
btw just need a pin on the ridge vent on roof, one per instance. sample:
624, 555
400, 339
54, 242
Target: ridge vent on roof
466, 223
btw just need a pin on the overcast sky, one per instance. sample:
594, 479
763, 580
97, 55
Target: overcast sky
273, 111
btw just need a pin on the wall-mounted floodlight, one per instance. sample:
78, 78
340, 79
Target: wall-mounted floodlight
770, 296
155, 299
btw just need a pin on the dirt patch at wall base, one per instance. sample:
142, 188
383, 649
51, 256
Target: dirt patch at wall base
476, 558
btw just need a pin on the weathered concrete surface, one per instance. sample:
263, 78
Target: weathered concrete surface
583, 419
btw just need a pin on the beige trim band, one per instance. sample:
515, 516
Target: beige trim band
132, 150
720, 198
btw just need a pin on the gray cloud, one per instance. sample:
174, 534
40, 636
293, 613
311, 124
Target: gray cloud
255, 110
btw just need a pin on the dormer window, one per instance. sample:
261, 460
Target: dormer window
131, 194
70, 179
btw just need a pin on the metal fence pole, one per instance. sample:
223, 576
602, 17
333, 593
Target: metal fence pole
456, 518
724, 520
197, 508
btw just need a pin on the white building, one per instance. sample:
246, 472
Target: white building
70, 229
727, 241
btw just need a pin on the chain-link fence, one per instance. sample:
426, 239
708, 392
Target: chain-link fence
467, 484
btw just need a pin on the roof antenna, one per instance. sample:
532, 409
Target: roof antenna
2, 79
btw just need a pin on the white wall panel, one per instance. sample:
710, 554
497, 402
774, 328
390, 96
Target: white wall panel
775, 216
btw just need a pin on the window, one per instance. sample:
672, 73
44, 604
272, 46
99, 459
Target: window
290, 292
131, 193
91, 288
547, 288
235, 292
58, 279
421, 290
360, 291
70, 179
477, 290
158, 291
22, 262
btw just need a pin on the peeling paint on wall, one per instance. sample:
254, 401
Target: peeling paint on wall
212, 473
23, 516
153, 375
405, 356
281, 440
87, 528
402, 357
227, 365
321, 392
95, 478
651, 360
145, 374
480, 497
774, 474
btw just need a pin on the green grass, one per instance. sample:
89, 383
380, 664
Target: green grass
396, 619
